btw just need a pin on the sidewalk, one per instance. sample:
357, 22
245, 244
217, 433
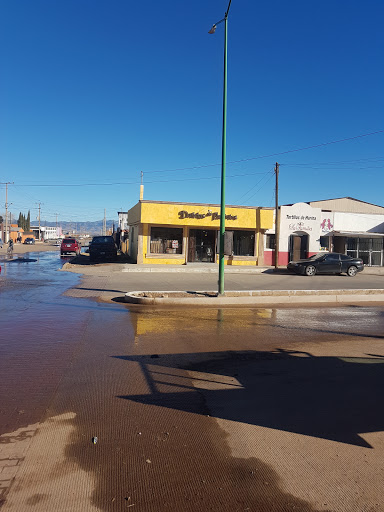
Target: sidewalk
212, 268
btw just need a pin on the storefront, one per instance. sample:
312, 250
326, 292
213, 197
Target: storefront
306, 230
187, 233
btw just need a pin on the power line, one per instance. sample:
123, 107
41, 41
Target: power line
136, 182
254, 186
257, 191
346, 169
272, 154
370, 159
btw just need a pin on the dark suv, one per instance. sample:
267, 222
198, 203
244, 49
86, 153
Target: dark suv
70, 245
102, 248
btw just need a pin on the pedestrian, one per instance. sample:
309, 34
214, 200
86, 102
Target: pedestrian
10, 248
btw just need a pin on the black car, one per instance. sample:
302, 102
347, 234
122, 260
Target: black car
102, 248
327, 263
29, 241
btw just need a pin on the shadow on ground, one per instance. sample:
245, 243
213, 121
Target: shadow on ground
83, 259
332, 398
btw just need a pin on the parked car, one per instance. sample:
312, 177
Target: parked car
102, 248
70, 245
327, 263
29, 240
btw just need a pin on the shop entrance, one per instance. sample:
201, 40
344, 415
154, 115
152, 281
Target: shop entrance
201, 245
298, 246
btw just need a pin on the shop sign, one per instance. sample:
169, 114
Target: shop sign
299, 226
214, 215
175, 244
326, 225
301, 222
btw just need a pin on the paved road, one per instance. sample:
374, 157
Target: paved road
194, 410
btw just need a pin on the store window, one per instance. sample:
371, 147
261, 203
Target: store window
352, 245
243, 243
270, 241
166, 241
324, 243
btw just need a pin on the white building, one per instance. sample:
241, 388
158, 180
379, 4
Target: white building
344, 225
123, 220
47, 232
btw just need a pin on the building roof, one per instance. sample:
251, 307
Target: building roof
345, 197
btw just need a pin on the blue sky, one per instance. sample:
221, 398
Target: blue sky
93, 92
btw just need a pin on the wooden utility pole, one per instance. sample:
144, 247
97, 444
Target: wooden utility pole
39, 220
277, 219
6, 235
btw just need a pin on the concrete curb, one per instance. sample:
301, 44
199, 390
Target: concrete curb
186, 269
214, 269
254, 297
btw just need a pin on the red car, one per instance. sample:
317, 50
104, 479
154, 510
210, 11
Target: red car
70, 245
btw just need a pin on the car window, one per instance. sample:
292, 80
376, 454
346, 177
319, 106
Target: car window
316, 256
332, 257
102, 239
345, 257
69, 241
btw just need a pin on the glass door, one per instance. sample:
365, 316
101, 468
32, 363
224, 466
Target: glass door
376, 252
201, 245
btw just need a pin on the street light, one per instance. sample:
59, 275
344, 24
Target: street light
223, 153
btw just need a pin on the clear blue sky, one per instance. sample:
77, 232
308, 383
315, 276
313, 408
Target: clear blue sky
93, 92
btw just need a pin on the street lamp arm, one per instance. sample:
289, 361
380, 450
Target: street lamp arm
212, 31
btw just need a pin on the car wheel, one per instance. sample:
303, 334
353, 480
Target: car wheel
310, 270
352, 271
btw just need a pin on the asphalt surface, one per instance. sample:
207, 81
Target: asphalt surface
260, 409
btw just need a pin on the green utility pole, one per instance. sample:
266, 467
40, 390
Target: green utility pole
223, 154
223, 163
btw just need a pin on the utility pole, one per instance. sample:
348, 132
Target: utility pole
277, 220
39, 220
141, 186
6, 237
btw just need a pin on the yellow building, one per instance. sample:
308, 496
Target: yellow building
182, 233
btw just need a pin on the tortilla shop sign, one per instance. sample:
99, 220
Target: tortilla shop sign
214, 216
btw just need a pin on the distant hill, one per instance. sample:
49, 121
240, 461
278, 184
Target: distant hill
81, 228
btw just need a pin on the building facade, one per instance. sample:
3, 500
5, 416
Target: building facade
181, 233
345, 225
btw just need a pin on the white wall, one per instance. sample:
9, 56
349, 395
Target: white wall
358, 222
301, 218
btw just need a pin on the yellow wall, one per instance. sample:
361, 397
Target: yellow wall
168, 214
134, 214
265, 219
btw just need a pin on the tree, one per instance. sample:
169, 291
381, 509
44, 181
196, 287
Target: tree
1, 219
19, 221
28, 222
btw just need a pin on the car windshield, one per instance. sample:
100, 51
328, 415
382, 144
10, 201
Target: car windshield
69, 241
102, 240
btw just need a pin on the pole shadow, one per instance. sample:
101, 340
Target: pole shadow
332, 398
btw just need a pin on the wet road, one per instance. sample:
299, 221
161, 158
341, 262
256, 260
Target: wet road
223, 410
